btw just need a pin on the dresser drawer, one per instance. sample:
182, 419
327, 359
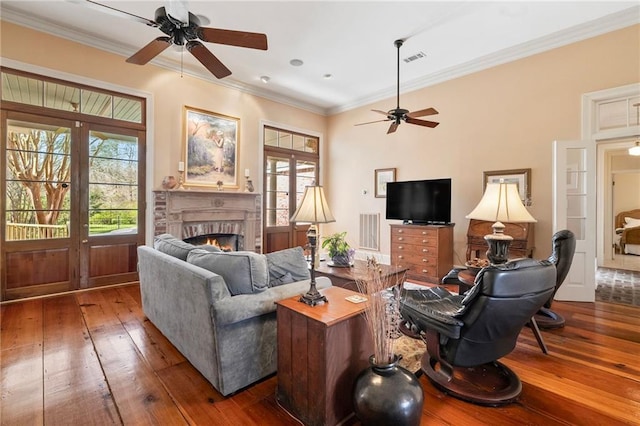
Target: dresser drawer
415, 240
423, 250
414, 232
414, 258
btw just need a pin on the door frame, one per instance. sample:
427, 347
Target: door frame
604, 140
150, 141
286, 127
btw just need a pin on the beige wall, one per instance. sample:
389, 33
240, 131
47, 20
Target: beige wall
502, 118
170, 93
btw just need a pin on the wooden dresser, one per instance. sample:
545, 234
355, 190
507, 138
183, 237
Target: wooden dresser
426, 250
521, 246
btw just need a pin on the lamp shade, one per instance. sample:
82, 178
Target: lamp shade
501, 203
314, 207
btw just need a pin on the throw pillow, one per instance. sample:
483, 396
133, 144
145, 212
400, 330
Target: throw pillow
168, 244
631, 222
244, 272
285, 261
285, 279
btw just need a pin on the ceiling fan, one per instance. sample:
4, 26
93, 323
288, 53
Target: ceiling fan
182, 28
398, 115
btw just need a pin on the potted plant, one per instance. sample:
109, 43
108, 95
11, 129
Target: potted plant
338, 249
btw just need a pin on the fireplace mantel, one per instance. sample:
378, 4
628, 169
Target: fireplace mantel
192, 212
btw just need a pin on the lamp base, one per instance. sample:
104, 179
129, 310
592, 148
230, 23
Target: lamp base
313, 297
498, 244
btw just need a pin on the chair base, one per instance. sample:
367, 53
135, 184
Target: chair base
409, 329
548, 319
491, 384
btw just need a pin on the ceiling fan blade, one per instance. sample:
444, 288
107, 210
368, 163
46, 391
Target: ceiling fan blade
380, 112
393, 127
424, 123
233, 38
208, 59
422, 112
370, 122
115, 12
150, 51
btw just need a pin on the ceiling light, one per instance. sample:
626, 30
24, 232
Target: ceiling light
296, 62
327, 76
265, 79
635, 150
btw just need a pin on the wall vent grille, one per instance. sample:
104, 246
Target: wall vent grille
370, 231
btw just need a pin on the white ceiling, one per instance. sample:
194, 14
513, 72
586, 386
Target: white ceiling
351, 40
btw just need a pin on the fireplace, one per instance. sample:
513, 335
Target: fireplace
225, 242
192, 213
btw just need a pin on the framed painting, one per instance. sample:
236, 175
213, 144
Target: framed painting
382, 177
211, 143
521, 177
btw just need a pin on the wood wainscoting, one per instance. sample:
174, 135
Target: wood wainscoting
92, 357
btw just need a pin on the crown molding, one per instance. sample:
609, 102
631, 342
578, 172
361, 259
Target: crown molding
54, 29
609, 23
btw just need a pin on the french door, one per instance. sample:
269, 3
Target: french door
285, 179
73, 203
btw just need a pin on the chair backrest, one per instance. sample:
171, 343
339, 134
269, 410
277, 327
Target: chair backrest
563, 248
504, 299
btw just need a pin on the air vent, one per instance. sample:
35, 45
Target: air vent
415, 57
370, 231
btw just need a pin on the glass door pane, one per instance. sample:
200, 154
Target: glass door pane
113, 184
38, 170
277, 184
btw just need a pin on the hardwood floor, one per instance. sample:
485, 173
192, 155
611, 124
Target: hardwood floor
93, 358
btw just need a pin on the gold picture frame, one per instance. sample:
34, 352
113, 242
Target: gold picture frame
211, 144
521, 177
382, 177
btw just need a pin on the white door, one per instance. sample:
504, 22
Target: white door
574, 208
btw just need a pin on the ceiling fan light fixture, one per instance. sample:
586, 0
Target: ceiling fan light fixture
265, 79
296, 62
635, 150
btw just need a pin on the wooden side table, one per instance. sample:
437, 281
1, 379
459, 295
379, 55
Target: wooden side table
321, 350
347, 277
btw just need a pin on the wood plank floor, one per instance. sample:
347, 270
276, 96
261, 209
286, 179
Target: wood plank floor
93, 358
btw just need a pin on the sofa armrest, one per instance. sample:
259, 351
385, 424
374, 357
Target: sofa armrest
244, 306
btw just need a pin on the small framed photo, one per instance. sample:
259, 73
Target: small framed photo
211, 143
521, 177
382, 177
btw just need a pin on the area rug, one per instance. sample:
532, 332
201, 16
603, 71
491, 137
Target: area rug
411, 351
618, 286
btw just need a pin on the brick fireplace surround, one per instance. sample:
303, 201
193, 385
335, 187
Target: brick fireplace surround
192, 212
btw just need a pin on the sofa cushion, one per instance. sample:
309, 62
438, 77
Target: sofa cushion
287, 278
168, 244
244, 272
285, 261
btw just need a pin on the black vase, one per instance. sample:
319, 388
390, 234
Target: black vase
387, 394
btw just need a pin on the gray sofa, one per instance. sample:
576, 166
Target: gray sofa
227, 332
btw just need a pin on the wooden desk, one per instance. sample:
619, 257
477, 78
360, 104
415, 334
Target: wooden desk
321, 350
347, 277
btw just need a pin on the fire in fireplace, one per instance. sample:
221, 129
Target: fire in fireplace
225, 242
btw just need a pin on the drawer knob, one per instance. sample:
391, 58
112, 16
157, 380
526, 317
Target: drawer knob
400, 231
424, 250
424, 271
424, 232
424, 241
400, 238
425, 260
400, 257
400, 247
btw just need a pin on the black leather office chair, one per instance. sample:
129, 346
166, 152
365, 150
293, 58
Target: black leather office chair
563, 248
467, 334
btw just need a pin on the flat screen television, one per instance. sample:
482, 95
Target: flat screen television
420, 201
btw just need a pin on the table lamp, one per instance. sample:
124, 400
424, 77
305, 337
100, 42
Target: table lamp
500, 203
314, 210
